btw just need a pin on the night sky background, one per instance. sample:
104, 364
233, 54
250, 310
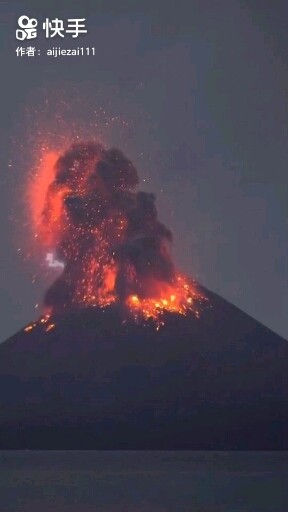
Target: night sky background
200, 89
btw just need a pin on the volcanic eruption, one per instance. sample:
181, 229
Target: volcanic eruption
128, 352
109, 238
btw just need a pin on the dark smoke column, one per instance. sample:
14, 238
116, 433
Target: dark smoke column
107, 234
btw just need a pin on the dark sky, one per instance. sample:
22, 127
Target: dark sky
202, 87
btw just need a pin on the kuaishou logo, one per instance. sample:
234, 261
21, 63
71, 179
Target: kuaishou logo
51, 27
27, 28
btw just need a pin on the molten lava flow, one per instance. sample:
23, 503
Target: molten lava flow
179, 298
106, 236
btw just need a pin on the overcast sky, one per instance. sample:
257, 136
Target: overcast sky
199, 94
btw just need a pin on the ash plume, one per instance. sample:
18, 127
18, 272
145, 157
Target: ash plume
107, 233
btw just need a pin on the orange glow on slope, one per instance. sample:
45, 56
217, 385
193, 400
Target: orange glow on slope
179, 298
50, 327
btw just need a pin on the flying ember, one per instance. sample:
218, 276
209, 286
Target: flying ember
106, 237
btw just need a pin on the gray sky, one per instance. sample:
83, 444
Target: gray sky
201, 88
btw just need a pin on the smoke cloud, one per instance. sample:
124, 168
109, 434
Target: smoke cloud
105, 231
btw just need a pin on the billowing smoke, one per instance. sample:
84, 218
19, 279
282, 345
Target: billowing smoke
107, 234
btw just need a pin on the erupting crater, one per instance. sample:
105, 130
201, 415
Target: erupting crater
106, 237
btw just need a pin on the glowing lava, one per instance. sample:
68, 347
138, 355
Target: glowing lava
89, 218
179, 298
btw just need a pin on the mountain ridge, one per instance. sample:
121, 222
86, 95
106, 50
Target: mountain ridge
92, 381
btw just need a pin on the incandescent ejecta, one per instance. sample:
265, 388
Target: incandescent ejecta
107, 238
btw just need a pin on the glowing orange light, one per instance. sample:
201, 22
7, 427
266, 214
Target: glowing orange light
96, 268
50, 327
38, 186
28, 328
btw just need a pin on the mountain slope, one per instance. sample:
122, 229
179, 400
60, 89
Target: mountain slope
92, 381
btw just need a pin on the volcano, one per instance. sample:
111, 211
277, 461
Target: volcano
129, 353
95, 382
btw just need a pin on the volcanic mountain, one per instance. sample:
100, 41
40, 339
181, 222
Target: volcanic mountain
129, 353
93, 382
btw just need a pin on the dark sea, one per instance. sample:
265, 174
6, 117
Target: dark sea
134, 481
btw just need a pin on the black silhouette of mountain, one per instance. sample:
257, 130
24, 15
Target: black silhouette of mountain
94, 382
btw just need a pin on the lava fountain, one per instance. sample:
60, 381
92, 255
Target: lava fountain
106, 237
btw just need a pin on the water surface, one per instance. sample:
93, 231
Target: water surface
59, 481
